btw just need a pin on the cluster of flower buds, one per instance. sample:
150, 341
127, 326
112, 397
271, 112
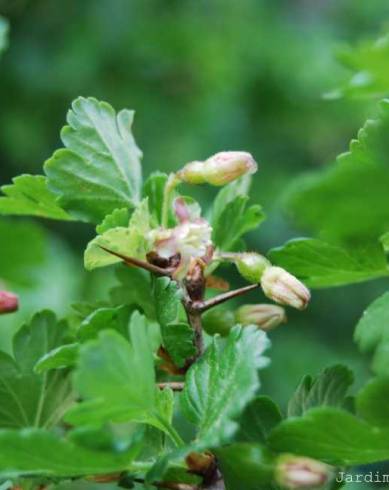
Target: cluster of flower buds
8, 302
298, 472
265, 316
284, 288
219, 169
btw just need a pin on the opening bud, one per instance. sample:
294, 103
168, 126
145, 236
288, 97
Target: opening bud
266, 317
8, 302
251, 266
219, 169
297, 472
283, 288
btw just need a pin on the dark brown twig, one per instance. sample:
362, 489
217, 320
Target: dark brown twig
221, 298
131, 261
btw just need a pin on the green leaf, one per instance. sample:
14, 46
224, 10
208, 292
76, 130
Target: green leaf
259, 417
131, 241
154, 189
118, 218
332, 435
116, 381
99, 171
177, 336
329, 388
27, 398
354, 189
248, 466
372, 402
227, 195
221, 383
62, 357
234, 221
133, 289
320, 264
372, 333
29, 195
102, 319
367, 63
36, 452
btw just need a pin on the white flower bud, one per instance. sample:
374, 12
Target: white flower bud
219, 169
8, 302
297, 472
266, 317
283, 288
251, 266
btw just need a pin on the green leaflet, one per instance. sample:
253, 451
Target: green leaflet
260, 416
100, 170
332, 435
177, 335
38, 452
368, 66
320, 264
372, 402
329, 388
354, 189
118, 218
29, 195
154, 189
231, 218
27, 398
62, 357
372, 333
131, 240
221, 383
116, 381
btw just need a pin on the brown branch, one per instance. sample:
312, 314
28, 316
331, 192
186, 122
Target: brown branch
221, 298
174, 385
194, 318
132, 261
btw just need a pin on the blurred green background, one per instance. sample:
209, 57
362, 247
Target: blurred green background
203, 76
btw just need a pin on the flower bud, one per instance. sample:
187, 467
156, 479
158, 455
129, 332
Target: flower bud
219, 169
266, 317
8, 302
297, 472
251, 266
283, 288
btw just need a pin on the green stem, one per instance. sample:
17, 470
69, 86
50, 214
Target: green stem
170, 185
170, 431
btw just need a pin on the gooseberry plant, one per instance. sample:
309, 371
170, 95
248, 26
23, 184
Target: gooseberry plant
103, 396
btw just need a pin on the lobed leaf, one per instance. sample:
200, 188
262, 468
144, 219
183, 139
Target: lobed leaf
329, 388
332, 435
100, 170
372, 402
29, 195
221, 383
260, 416
320, 264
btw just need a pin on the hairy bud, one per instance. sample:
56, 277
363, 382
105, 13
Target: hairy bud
283, 288
266, 317
219, 169
251, 266
8, 302
297, 472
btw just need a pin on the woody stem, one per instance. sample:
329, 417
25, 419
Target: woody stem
132, 261
221, 298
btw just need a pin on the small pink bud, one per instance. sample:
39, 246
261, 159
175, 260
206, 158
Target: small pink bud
283, 288
266, 317
8, 302
219, 169
297, 472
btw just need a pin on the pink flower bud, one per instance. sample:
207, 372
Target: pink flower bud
283, 288
251, 266
219, 169
8, 302
297, 472
266, 317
